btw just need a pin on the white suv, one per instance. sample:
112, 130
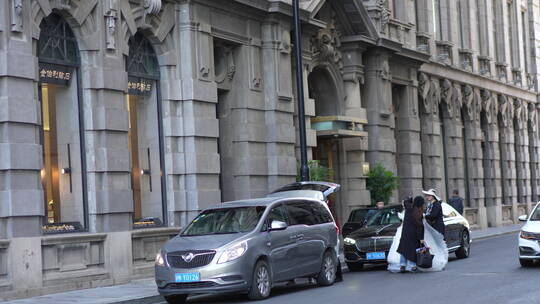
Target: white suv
529, 238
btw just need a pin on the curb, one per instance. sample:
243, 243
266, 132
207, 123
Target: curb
495, 235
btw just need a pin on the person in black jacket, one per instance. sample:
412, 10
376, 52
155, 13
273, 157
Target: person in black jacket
434, 214
412, 234
456, 201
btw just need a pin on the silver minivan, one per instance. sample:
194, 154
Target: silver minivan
248, 246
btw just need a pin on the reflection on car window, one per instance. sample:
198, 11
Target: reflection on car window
225, 220
536, 214
358, 215
301, 213
277, 214
384, 217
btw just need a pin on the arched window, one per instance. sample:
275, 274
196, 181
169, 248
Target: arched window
145, 134
63, 174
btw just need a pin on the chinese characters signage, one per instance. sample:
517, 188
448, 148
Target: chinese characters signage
139, 86
56, 74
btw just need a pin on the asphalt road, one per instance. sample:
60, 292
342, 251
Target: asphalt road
491, 274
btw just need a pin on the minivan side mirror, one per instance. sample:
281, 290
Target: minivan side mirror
522, 218
278, 225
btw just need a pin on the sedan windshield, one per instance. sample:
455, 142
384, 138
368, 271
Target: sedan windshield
382, 217
224, 221
536, 214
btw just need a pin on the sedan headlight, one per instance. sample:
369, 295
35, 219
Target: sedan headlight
527, 235
233, 253
159, 260
349, 241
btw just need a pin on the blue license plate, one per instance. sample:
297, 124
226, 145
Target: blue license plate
376, 255
187, 277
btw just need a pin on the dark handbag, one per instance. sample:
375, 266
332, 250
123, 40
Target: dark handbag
424, 258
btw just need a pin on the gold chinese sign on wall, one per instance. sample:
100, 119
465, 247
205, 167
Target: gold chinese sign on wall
139, 86
56, 74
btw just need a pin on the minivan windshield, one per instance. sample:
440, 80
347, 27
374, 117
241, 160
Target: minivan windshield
225, 221
383, 217
536, 214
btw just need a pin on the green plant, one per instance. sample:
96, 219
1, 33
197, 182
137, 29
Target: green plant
381, 183
317, 172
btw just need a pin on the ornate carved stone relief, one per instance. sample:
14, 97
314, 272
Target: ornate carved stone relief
16, 16
225, 67
520, 113
457, 100
446, 97
469, 102
506, 110
111, 14
384, 15
489, 106
325, 45
532, 117
152, 7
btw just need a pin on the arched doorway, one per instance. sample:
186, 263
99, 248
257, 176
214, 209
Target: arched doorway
63, 175
145, 135
323, 90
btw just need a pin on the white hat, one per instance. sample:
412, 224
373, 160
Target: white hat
432, 192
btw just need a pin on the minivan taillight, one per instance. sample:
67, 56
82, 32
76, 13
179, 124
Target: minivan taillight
338, 231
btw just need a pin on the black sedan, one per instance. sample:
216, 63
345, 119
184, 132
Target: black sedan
371, 243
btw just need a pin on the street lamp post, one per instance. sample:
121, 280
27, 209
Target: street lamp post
304, 169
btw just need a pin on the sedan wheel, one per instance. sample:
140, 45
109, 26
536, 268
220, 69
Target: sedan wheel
327, 276
465, 249
260, 285
526, 262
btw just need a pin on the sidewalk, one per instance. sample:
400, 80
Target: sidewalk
144, 291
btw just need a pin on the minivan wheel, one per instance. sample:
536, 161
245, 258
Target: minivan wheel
176, 299
261, 282
327, 276
464, 250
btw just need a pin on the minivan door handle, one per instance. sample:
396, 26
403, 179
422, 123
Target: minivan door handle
299, 236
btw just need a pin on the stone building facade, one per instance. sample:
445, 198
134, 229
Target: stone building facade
117, 115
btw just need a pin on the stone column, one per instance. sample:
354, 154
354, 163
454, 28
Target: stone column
21, 195
408, 144
491, 157
508, 155
451, 100
352, 150
378, 102
533, 152
197, 176
522, 154
430, 135
279, 105
473, 147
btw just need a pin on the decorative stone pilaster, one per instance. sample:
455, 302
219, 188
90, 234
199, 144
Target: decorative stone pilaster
534, 144
491, 158
472, 106
453, 137
407, 134
507, 148
522, 152
378, 102
279, 105
21, 195
431, 138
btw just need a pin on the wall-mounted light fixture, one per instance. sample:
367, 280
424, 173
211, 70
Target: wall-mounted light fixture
145, 172
365, 168
66, 170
